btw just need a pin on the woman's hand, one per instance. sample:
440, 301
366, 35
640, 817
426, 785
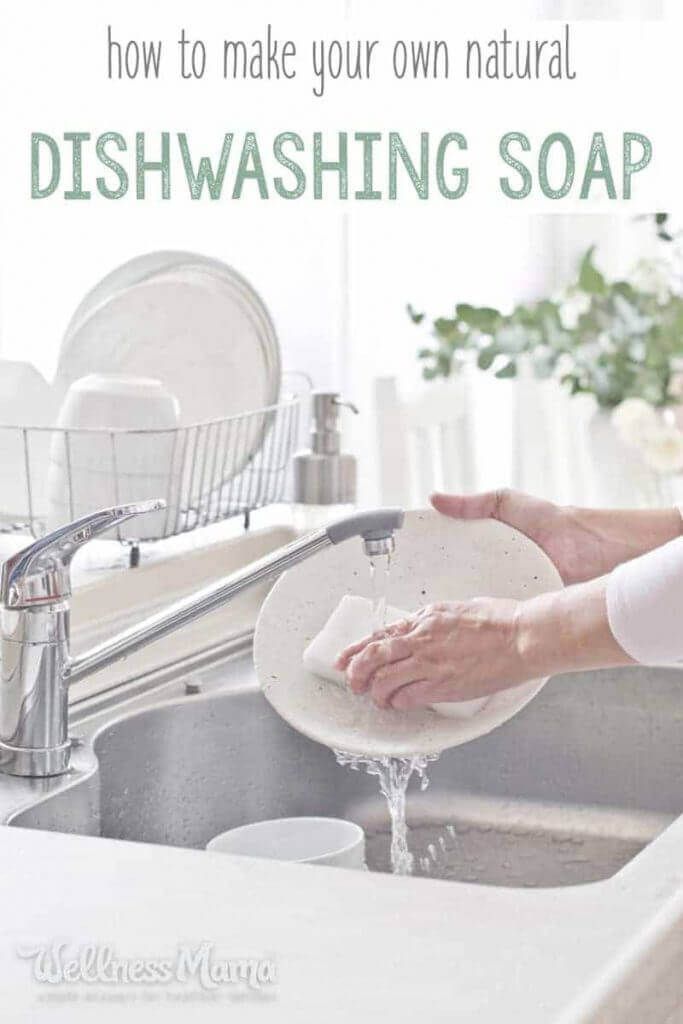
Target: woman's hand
582, 543
446, 652
460, 650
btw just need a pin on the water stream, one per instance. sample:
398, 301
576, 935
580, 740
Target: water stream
379, 585
394, 773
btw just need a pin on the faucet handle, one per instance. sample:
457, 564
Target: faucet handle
39, 574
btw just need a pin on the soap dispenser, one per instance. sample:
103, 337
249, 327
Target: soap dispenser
324, 477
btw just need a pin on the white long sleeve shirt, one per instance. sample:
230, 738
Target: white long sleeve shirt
645, 605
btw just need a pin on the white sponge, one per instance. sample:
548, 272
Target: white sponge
349, 622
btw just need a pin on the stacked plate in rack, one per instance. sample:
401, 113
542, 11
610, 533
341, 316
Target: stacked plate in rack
187, 320
197, 327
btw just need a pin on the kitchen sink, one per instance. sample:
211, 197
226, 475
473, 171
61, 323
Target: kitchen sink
567, 792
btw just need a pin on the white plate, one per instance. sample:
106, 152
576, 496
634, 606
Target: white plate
191, 322
436, 559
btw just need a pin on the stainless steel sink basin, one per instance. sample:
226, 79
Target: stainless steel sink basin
567, 792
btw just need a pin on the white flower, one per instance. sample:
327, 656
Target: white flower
636, 421
654, 277
572, 307
513, 338
663, 451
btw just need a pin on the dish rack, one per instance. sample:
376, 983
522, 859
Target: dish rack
206, 473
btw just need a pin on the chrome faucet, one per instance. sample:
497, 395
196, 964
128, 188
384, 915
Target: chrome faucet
36, 666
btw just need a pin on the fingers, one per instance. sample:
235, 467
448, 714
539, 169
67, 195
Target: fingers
486, 505
429, 611
399, 628
346, 655
388, 680
418, 694
375, 655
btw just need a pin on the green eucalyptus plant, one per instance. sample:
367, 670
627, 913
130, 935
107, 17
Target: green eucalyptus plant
614, 340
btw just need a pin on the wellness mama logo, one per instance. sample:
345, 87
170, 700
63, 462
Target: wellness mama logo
58, 963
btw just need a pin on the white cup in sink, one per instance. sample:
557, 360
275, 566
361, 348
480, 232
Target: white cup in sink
328, 841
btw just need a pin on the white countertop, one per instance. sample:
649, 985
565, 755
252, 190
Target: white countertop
348, 945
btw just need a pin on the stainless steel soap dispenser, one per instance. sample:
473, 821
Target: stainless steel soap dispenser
323, 474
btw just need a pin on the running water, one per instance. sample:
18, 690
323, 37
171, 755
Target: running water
379, 580
394, 774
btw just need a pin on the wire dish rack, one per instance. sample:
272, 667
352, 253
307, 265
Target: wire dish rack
206, 472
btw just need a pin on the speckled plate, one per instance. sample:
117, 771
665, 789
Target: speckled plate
437, 559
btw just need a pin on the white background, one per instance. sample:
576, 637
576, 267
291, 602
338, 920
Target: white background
335, 278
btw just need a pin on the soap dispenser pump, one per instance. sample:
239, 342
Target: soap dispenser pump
324, 476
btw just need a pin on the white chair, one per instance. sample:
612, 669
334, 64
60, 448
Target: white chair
545, 442
565, 449
424, 440
551, 453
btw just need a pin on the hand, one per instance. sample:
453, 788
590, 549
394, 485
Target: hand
461, 650
446, 652
582, 543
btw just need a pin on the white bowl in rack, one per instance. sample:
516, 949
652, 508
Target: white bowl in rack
200, 328
114, 445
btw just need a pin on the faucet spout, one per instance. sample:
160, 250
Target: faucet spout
383, 546
188, 609
37, 666
376, 527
